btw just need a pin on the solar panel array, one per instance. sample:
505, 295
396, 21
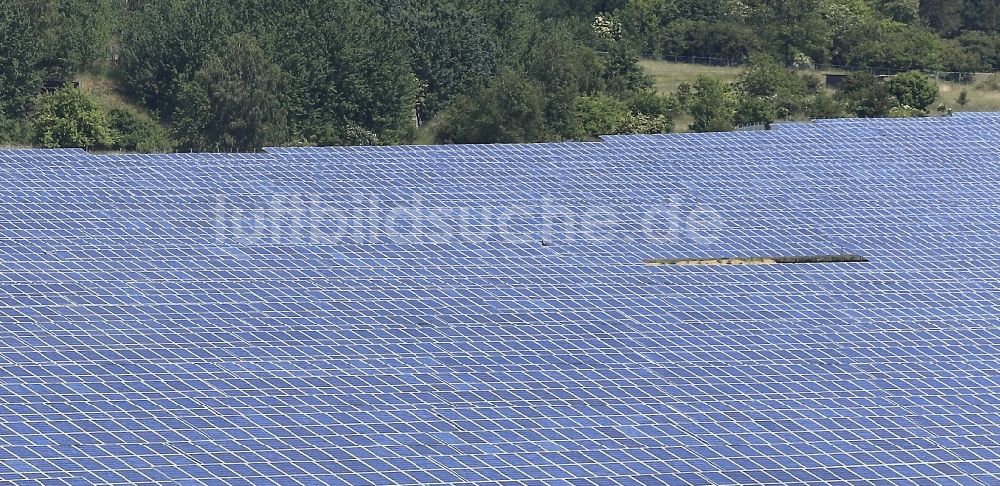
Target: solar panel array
482, 314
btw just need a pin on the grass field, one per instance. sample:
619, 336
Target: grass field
981, 98
667, 76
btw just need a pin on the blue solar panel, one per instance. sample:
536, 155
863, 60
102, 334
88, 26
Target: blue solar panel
482, 314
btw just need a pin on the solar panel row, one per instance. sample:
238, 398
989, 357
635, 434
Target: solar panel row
482, 314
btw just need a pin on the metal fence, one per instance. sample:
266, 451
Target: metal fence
952, 76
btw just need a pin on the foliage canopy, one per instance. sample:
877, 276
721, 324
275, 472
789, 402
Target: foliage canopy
240, 74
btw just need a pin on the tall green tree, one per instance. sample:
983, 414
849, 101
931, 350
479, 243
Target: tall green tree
945, 16
510, 110
510, 23
622, 71
647, 23
74, 34
453, 52
348, 68
566, 69
981, 15
235, 102
898, 46
580, 8
983, 49
905, 11
165, 41
20, 53
851, 22
643, 22
793, 27
723, 40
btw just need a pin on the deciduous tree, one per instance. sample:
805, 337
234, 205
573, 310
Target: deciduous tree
713, 105
510, 110
453, 53
20, 52
234, 102
914, 89
165, 41
866, 95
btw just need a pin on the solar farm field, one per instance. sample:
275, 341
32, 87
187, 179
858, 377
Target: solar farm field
510, 314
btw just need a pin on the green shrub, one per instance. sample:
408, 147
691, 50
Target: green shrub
914, 89
361, 136
713, 105
70, 118
605, 115
824, 106
683, 96
599, 115
134, 134
771, 92
754, 111
963, 98
650, 103
641, 123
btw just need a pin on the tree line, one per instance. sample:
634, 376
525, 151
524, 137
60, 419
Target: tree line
765, 92
943, 35
237, 75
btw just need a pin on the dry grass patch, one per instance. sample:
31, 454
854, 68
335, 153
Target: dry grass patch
981, 97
